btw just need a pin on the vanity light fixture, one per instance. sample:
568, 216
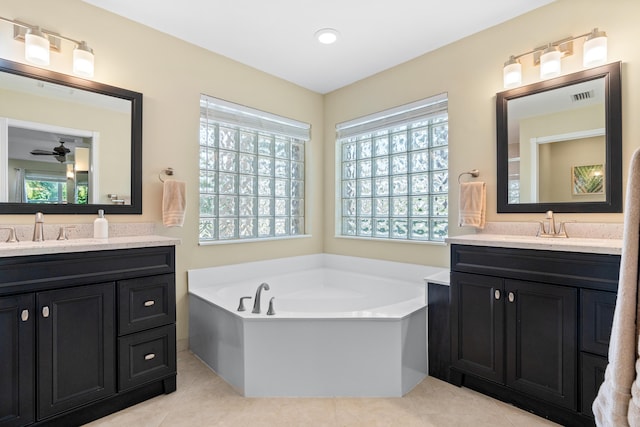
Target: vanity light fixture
550, 65
36, 46
549, 57
40, 42
595, 49
327, 35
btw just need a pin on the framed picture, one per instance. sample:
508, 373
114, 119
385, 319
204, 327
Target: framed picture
587, 179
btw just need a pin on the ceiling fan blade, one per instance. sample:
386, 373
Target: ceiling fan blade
43, 153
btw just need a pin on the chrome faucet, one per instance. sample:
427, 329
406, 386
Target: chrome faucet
256, 301
12, 238
550, 230
38, 228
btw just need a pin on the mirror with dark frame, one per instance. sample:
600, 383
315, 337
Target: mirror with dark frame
68, 145
559, 144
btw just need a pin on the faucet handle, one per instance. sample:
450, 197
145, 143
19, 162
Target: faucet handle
62, 234
271, 311
241, 306
541, 230
12, 237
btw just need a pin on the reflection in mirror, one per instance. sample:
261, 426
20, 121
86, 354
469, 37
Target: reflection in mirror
46, 166
550, 133
559, 144
67, 145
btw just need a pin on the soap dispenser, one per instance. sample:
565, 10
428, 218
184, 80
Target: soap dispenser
100, 226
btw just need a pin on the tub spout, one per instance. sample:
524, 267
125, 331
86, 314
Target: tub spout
256, 301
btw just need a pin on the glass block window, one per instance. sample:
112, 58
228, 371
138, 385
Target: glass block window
252, 170
394, 177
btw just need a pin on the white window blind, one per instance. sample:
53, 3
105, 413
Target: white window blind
396, 116
251, 118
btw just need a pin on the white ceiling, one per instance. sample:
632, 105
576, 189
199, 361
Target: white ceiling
277, 36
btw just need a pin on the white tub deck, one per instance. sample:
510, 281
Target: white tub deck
326, 339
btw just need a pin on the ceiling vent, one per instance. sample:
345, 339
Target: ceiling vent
582, 96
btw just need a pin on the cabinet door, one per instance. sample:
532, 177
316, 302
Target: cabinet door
541, 343
16, 360
76, 347
477, 325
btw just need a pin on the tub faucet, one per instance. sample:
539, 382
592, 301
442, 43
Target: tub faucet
256, 301
38, 228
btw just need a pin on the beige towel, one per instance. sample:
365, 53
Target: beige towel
174, 203
473, 204
618, 400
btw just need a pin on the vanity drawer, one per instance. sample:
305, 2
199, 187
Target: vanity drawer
584, 270
596, 318
146, 356
146, 303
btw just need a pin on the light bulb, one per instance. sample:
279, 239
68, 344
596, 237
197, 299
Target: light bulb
327, 35
83, 60
550, 65
595, 49
36, 47
512, 73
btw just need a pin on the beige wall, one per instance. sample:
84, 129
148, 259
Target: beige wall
470, 71
171, 74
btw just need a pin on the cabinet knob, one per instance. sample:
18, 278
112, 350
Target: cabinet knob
24, 315
512, 297
497, 294
45, 311
149, 356
149, 303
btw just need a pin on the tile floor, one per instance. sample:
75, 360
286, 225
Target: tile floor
203, 399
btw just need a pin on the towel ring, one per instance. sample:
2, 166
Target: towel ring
473, 172
167, 172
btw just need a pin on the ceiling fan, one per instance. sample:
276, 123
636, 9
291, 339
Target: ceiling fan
59, 152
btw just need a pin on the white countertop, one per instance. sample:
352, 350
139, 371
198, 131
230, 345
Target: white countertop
83, 245
441, 278
571, 244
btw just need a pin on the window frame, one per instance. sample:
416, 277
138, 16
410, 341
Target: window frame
355, 207
265, 168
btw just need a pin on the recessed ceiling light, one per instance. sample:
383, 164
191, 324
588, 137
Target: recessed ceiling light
327, 35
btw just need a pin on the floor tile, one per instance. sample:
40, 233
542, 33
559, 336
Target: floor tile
204, 399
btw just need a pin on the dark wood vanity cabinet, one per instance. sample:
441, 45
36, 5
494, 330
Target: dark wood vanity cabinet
69, 352
17, 365
531, 327
74, 347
